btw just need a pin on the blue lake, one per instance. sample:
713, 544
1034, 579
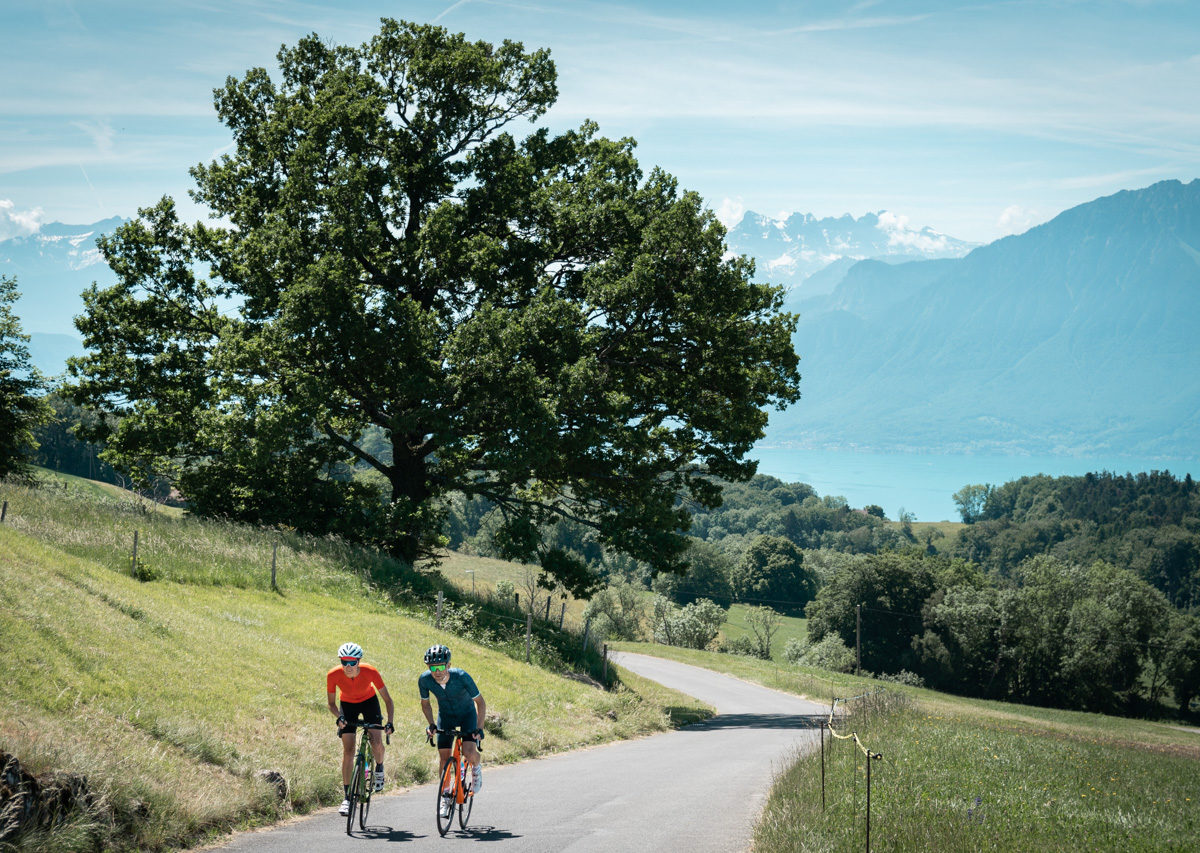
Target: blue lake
923, 484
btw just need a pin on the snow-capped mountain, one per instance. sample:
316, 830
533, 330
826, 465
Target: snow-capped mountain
53, 266
814, 254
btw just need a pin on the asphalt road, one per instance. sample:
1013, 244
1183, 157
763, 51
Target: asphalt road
700, 788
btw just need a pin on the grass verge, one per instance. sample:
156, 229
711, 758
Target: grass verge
962, 774
171, 695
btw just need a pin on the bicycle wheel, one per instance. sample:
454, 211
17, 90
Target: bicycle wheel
364, 800
354, 794
447, 784
464, 809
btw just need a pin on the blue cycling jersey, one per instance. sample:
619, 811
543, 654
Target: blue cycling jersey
457, 698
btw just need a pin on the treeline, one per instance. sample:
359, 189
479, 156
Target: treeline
1149, 523
1092, 636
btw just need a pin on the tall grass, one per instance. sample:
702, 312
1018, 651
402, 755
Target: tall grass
966, 774
172, 695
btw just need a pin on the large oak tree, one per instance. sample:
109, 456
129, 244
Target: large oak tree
532, 321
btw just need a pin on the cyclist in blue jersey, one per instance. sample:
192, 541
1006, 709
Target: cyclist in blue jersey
460, 705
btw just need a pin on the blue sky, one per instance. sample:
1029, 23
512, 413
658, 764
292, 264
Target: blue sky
977, 119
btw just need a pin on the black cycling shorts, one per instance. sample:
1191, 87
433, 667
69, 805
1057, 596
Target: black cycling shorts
369, 711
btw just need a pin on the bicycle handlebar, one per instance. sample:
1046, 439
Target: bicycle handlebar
457, 732
350, 727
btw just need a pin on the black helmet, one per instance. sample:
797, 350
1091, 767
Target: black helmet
437, 655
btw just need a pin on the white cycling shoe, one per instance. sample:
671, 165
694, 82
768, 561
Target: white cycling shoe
344, 808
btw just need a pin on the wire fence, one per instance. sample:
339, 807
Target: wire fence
853, 738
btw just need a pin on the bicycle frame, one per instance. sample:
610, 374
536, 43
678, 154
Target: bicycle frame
463, 799
362, 776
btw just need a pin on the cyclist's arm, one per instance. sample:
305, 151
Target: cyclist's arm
333, 708
427, 710
387, 700
480, 710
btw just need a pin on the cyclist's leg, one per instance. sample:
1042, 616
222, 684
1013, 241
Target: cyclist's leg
347, 756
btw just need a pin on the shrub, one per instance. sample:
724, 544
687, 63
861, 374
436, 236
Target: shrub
743, 645
794, 649
831, 654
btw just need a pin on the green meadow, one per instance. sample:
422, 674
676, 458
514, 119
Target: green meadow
963, 774
171, 694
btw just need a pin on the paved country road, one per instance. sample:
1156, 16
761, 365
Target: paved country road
699, 788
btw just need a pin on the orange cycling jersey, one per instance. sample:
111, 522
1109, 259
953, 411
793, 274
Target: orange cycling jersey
358, 689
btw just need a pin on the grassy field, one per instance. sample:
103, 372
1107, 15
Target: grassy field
962, 774
172, 695
791, 627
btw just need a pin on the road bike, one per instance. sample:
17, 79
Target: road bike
362, 777
453, 784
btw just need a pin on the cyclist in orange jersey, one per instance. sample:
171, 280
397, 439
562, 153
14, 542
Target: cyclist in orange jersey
360, 686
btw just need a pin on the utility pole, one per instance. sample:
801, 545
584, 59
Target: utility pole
858, 639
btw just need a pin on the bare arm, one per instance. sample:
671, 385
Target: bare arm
427, 710
387, 700
333, 708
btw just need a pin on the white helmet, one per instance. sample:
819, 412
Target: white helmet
350, 651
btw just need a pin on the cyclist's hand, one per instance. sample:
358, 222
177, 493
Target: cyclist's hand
389, 728
430, 732
341, 721
479, 735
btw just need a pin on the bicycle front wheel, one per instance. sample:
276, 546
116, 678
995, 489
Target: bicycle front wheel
355, 793
447, 793
367, 780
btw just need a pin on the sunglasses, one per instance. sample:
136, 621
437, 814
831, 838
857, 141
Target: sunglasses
437, 667
349, 663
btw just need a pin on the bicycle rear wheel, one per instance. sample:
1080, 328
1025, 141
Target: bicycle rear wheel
448, 783
354, 794
464, 810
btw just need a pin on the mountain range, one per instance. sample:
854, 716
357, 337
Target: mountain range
810, 255
1076, 337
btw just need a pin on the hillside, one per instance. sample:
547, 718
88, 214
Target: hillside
176, 692
1073, 338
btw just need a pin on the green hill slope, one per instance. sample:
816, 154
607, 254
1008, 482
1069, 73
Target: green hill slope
171, 696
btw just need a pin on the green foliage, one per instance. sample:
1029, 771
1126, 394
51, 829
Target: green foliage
22, 409
764, 623
60, 449
772, 572
707, 576
1149, 523
971, 501
743, 645
617, 612
532, 321
766, 506
794, 649
693, 626
829, 653
891, 588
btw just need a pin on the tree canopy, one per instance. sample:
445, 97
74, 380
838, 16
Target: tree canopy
22, 408
531, 321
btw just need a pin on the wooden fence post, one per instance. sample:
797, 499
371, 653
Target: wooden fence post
274, 555
3, 512
562, 616
586, 626
439, 610
547, 608
133, 565
528, 634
